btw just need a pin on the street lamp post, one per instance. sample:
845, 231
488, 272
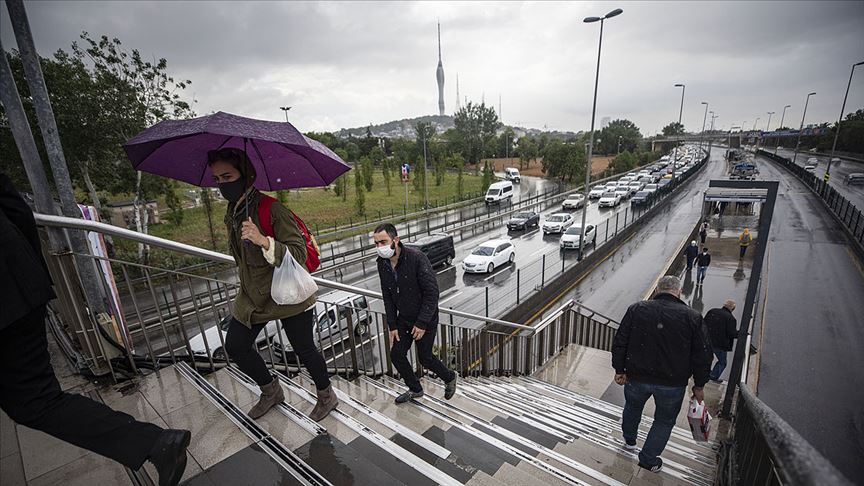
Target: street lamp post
710, 139
285, 109
619, 144
704, 118
840, 119
783, 117
680, 112
589, 20
801, 129
767, 126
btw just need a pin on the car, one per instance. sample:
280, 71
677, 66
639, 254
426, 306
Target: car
348, 304
570, 238
854, 178
512, 174
663, 182
523, 220
635, 187
623, 192
812, 161
646, 179
651, 187
610, 199
488, 256
596, 192
626, 179
438, 248
558, 223
810, 168
611, 186
640, 197
574, 201
499, 191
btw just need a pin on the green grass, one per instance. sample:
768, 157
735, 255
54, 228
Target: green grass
319, 208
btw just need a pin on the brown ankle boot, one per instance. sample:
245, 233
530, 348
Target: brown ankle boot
327, 401
271, 395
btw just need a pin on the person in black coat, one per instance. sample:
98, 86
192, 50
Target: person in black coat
659, 345
409, 289
723, 330
703, 260
29, 391
691, 252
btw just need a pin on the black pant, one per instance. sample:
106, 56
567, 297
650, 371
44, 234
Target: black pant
31, 396
240, 344
399, 356
743, 251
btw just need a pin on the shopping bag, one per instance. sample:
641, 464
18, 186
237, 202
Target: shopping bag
291, 284
699, 420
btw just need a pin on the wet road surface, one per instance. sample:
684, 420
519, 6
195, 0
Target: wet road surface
839, 171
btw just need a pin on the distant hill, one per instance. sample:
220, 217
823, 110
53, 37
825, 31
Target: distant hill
405, 129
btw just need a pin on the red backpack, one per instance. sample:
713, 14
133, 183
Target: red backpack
313, 254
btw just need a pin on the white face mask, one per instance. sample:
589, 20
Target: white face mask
386, 251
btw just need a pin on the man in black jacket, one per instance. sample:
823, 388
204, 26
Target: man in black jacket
702, 262
660, 343
410, 293
29, 391
691, 252
723, 330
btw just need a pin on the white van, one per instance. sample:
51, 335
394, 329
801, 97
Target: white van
499, 191
512, 174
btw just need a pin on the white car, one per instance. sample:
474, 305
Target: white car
810, 168
623, 192
635, 187
570, 238
486, 257
328, 328
610, 199
596, 192
650, 187
812, 161
558, 223
573, 201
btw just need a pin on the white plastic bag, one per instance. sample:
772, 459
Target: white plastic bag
291, 284
699, 419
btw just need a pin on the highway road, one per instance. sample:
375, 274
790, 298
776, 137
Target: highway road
810, 368
839, 171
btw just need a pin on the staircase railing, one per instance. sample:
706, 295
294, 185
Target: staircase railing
158, 316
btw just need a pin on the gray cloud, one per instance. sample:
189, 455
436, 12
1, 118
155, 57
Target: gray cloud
349, 63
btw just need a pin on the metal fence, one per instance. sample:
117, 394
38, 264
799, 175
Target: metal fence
161, 316
846, 212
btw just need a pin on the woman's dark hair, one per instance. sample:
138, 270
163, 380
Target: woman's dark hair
236, 157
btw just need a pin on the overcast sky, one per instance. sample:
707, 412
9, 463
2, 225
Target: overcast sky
350, 64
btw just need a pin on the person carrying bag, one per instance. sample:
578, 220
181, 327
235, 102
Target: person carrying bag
258, 258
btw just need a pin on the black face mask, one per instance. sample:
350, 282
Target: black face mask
232, 191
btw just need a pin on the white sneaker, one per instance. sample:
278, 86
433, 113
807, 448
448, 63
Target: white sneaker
630, 447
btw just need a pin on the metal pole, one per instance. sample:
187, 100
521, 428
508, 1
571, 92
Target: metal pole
680, 112
839, 120
782, 117
801, 129
704, 119
51, 139
425, 175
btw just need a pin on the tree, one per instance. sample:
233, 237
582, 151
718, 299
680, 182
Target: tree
625, 161
359, 195
207, 201
456, 160
475, 128
488, 175
340, 187
175, 205
282, 196
673, 129
505, 143
609, 137
564, 160
368, 175
378, 157
528, 151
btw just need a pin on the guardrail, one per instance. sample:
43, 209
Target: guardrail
844, 211
184, 325
764, 449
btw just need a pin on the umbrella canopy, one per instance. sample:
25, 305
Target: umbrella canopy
283, 157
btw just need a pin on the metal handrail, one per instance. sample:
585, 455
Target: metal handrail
75, 223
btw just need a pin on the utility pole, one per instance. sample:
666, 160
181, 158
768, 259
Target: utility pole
51, 139
839, 120
801, 129
783, 117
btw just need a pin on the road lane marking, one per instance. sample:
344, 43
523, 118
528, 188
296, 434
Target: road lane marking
458, 292
530, 233
538, 251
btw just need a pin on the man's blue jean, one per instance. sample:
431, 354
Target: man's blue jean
700, 273
667, 401
719, 366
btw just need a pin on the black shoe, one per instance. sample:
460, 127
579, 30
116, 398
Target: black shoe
632, 447
168, 454
450, 387
655, 468
408, 396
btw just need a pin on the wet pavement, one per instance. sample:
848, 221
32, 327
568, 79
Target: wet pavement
811, 359
839, 171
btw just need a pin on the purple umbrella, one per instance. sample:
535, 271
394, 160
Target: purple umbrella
283, 157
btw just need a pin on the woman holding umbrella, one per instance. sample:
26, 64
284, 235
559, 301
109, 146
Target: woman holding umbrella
257, 256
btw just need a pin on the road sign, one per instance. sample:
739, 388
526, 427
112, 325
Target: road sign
405, 171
